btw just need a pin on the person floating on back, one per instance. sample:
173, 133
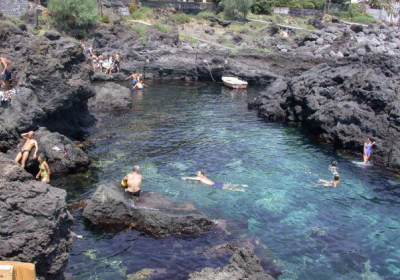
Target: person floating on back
367, 149
6, 73
44, 169
201, 177
26, 148
133, 182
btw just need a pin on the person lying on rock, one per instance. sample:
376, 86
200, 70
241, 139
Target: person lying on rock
44, 169
334, 183
134, 182
6, 73
201, 177
367, 149
26, 148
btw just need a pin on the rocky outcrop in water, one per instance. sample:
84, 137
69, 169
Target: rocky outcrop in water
111, 96
244, 264
53, 78
344, 104
34, 224
111, 209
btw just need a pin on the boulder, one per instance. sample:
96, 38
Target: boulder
62, 154
52, 35
34, 223
111, 209
357, 28
111, 96
53, 78
244, 264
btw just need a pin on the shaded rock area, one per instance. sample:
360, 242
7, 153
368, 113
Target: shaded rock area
53, 78
111, 96
34, 224
111, 209
343, 104
244, 264
62, 154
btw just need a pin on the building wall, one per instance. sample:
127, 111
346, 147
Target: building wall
13, 7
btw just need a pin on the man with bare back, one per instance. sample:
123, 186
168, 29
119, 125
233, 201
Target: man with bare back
27, 147
134, 182
5, 73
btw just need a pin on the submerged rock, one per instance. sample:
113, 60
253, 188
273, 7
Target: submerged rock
244, 264
111, 209
111, 96
34, 222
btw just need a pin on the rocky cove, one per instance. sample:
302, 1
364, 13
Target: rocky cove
339, 82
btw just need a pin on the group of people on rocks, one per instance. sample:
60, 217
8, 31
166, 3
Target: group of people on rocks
23, 155
102, 62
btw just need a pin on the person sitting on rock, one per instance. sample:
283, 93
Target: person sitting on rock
110, 64
6, 73
95, 62
334, 183
201, 177
134, 182
44, 169
367, 149
27, 147
101, 61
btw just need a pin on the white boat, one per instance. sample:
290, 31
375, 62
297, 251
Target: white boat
234, 82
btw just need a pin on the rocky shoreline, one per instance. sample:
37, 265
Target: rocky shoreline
339, 81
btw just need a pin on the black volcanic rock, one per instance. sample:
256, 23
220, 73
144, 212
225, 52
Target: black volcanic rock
34, 223
111, 209
111, 96
53, 78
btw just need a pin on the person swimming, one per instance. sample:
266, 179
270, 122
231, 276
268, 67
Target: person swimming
334, 183
201, 177
367, 149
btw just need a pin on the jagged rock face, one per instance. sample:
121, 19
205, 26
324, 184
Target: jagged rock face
34, 224
344, 104
61, 153
109, 208
244, 264
54, 77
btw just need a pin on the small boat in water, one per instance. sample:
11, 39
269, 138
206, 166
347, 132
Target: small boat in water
234, 82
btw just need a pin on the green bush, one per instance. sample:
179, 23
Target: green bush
142, 13
74, 15
205, 15
105, 19
181, 18
236, 8
141, 30
132, 7
164, 28
262, 7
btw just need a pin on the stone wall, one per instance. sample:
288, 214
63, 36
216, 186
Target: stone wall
13, 7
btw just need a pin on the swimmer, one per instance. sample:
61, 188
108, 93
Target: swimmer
134, 182
139, 85
201, 177
134, 79
334, 183
367, 149
333, 167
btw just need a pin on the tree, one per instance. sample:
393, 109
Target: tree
262, 7
72, 15
237, 8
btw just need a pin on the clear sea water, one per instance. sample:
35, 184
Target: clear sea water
310, 232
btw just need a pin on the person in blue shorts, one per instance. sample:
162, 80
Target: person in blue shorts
367, 149
201, 177
134, 79
5, 73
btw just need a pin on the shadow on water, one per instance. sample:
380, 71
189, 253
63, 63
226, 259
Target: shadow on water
311, 232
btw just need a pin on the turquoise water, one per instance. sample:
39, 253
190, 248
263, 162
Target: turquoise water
311, 232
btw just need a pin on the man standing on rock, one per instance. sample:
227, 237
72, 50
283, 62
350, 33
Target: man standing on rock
6, 73
26, 149
134, 182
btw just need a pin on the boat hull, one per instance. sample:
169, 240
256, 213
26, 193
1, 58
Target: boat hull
235, 86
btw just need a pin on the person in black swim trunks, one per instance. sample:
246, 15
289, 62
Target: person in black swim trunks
6, 73
201, 177
29, 144
134, 182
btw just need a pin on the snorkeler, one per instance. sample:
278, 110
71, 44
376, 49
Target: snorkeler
367, 149
201, 177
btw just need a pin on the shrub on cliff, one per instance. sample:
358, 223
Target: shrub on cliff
262, 7
72, 15
237, 8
